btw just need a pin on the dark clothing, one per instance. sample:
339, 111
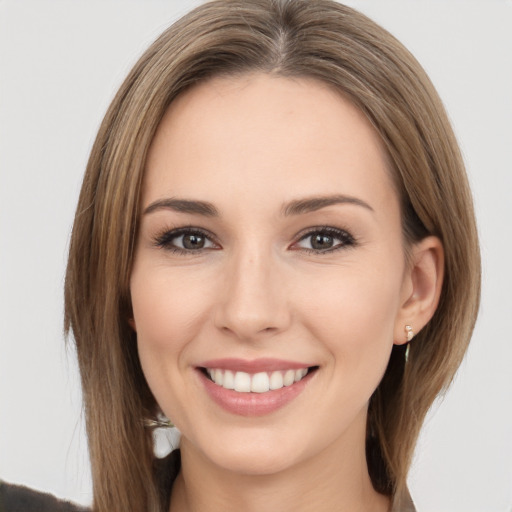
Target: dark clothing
16, 498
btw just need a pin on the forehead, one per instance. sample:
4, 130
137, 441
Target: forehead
260, 135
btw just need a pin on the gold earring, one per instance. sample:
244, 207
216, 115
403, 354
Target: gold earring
409, 334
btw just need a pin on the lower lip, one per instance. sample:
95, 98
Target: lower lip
253, 404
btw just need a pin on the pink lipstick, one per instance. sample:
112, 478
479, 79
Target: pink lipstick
254, 388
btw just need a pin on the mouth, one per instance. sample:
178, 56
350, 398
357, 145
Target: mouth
260, 382
254, 387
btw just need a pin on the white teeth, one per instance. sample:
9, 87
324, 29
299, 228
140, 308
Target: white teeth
289, 377
218, 377
258, 382
276, 380
229, 380
242, 382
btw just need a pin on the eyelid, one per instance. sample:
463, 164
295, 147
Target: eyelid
164, 238
347, 239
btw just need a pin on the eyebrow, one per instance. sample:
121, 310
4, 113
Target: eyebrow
312, 204
183, 206
296, 207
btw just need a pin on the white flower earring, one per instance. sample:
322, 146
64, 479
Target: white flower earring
159, 422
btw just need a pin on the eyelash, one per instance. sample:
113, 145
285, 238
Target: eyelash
346, 239
164, 240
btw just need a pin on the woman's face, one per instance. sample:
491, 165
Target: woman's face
270, 257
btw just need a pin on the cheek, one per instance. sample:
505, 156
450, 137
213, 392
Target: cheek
353, 312
168, 314
166, 308
168, 311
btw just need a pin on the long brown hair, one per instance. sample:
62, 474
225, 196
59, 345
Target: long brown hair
320, 39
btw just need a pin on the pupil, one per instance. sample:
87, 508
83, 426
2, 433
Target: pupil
193, 241
321, 242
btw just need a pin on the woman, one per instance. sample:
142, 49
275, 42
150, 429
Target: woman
274, 247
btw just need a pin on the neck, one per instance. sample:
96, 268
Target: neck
336, 479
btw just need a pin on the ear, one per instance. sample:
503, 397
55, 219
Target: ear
421, 287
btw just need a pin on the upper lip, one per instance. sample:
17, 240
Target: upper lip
254, 365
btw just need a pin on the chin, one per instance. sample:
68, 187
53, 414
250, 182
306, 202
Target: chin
255, 462
251, 454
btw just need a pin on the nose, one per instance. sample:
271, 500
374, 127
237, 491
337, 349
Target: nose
254, 301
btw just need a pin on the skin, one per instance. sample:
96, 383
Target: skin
249, 145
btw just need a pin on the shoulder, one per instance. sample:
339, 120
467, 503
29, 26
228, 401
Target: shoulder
17, 498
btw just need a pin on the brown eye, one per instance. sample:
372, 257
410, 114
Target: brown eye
321, 241
185, 241
324, 240
193, 241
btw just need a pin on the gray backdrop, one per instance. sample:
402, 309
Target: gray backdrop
60, 63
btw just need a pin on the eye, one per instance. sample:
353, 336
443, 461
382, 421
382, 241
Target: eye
324, 239
185, 240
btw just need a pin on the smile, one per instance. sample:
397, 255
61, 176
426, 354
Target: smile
260, 382
254, 388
